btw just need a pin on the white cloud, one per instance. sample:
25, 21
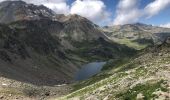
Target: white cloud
59, 6
167, 25
38, 2
94, 10
155, 7
127, 12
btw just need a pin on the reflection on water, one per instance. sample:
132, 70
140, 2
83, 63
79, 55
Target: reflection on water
89, 70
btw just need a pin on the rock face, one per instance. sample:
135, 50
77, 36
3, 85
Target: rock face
140, 96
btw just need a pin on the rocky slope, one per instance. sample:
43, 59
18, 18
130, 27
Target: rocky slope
33, 52
145, 77
136, 35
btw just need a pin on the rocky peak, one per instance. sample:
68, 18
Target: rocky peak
75, 17
140, 24
11, 11
78, 28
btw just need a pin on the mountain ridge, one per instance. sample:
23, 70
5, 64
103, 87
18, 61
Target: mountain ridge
137, 35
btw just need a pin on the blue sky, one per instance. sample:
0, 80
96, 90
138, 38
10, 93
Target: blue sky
113, 12
163, 17
160, 18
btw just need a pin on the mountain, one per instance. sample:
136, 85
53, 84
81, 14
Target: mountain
144, 77
136, 35
88, 41
40, 50
11, 11
78, 28
75, 27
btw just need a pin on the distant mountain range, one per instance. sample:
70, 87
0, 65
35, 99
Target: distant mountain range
136, 35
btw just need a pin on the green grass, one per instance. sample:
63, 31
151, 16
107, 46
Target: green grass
127, 67
146, 89
115, 63
90, 81
131, 44
140, 72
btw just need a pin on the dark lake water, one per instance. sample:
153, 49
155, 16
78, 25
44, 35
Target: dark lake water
89, 70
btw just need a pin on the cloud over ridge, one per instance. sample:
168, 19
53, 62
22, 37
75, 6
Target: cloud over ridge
128, 12
94, 10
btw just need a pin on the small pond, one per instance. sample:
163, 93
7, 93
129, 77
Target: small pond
89, 70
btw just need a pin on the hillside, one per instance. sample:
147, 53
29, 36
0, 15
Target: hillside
144, 77
136, 35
